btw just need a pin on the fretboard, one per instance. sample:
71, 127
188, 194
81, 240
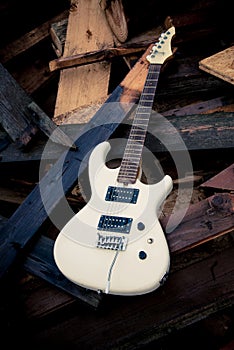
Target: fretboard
133, 151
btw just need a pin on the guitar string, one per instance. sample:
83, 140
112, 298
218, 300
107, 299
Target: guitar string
115, 206
126, 163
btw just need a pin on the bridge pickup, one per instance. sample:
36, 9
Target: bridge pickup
112, 242
115, 224
122, 194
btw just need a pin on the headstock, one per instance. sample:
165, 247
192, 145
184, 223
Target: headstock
161, 51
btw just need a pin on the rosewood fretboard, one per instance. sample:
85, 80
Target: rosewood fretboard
133, 151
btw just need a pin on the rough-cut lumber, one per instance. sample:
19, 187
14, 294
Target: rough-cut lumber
223, 180
40, 262
198, 132
21, 117
220, 64
58, 35
47, 126
189, 295
222, 103
14, 101
46, 195
28, 40
83, 85
91, 57
203, 221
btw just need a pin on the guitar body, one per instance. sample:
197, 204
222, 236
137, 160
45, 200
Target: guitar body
115, 244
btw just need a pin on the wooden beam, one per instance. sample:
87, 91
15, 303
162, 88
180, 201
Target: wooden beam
223, 180
203, 221
84, 85
92, 57
220, 64
28, 40
198, 132
21, 117
190, 294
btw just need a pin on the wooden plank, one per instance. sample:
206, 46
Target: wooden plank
198, 132
28, 40
189, 295
40, 263
222, 103
48, 127
13, 110
92, 57
220, 64
45, 197
58, 35
21, 117
203, 221
83, 85
223, 180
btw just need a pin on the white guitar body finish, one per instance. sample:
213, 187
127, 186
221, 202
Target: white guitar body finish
144, 262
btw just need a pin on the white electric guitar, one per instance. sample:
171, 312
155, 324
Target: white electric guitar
115, 243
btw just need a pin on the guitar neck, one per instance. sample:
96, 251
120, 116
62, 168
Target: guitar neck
133, 151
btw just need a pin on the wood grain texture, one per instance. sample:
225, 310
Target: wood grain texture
220, 64
223, 180
83, 85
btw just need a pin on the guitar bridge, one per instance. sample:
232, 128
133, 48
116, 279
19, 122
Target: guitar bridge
112, 242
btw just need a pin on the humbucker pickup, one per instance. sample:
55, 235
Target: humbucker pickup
122, 194
114, 224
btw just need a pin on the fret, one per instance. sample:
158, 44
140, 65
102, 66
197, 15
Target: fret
132, 155
129, 170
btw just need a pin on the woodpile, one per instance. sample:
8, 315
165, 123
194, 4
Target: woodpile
66, 70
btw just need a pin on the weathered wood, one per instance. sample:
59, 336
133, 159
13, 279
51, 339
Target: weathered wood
48, 127
40, 262
198, 132
21, 117
58, 32
220, 65
217, 104
188, 295
116, 18
13, 111
92, 57
28, 40
203, 221
83, 85
223, 180
46, 195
